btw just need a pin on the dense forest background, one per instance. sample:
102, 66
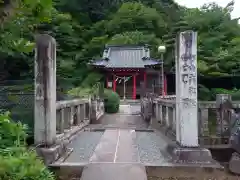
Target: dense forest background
83, 27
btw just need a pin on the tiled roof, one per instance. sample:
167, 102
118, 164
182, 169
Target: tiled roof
126, 57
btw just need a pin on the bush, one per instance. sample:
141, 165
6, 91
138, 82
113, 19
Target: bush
16, 161
23, 165
11, 134
235, 93
111, 101
80, 92
85, 92
204, 93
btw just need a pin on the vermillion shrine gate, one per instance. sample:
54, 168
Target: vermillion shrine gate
129, 70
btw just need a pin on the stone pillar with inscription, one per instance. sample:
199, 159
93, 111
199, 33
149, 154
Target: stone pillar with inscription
187, 89
45, 91
187, 149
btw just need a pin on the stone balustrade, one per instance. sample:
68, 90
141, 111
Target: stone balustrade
71, 117
169, 97
71, 113
212, 129
77, 112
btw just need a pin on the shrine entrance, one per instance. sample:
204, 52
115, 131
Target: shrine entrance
124, 86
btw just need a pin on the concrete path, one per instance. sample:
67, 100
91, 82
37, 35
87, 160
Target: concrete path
117, 139
117, 151
116, 146
122, 147
115, 158
119, 145
114, 171
128, 118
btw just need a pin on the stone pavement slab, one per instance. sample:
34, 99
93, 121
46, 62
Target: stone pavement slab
122, 121
107, 147
114, 171
83, 146
116, 146
127, 150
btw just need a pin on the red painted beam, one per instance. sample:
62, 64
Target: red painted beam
134, 87
145, 79
114, 83
124, 73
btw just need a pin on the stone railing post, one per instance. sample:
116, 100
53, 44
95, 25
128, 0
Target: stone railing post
167, 117
72, 112
88, 109
224, 104
82, 112
170, 117
156, 113
160, 114
45, 90
164, 114
78, 115
174, 120
67, 117
93, 111
203, 122
61, 123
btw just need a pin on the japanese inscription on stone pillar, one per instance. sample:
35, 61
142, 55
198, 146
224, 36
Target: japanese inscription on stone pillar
186, 91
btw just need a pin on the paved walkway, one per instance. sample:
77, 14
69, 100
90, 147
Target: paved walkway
122, 121
120, 137
128, 118
119, 145
122, 147
118, 148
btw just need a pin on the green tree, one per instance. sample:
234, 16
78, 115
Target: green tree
217, 41
136, 16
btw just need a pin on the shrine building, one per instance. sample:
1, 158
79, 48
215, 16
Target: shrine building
129, 70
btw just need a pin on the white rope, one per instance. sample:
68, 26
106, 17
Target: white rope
120, 77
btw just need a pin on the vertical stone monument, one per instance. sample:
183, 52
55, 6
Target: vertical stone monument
45, 91
187, 149
187, 89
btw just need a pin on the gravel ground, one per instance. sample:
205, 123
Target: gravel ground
83, 147
151, 148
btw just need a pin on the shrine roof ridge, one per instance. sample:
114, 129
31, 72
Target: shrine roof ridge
127, 46
126, 56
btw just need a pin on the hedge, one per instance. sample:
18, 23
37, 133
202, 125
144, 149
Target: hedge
111, 101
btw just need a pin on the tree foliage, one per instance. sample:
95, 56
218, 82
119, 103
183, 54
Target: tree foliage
82, 29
